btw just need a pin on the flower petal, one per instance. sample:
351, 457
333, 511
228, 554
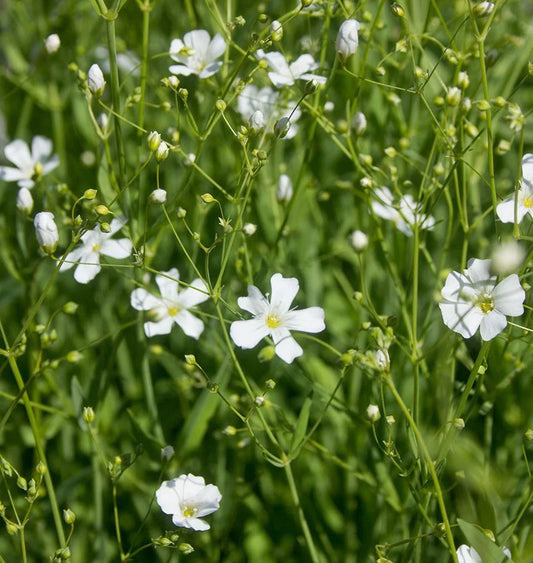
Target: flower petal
182, 69
18, 153
142, 300
527, 169
41, 148
506, 210
193, 523
509, 296
115, 226
198, 40
176, 45
210, 69
84, 273
191, 325
280, 80
284, 291
305, 320
72, 258
303, 64
254, 303
51, 164
462, 317
167, 497
120, 248
492, 324
10, 174
247, 334
195, 294
168, 284
164, 326
478, 270
317, 77
207, 500
277, 62
216, 48
286, 347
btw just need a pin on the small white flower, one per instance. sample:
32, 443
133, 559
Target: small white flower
189, 159
30, 166
24, 201
249, 229
359, 123
508, 257
188, 499
276, 30
167, 453
95, 81
472, 300
257, 121
275, 318
467, 554
285, 74
372, 413
405, 215
285, 190
172, 306
359, 241
197, 53
95, 243
52, 43
46, 231
347, 39
522, 199
158, 196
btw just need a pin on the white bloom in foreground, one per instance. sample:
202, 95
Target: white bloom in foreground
404, 215
271, 105
173, 305
93, 244
30, 165
467, 554
52, 43
285, 74
188, 499
95, 80
274, 318
46, 231
472, 300
347, 39
285, 190
523, 198
197, 53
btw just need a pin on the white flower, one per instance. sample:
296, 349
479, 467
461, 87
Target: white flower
95, 243
359, 241
508, 257
52, 43
173, 305
24, 201
167, 453
372, 413
472, 300
523, 198
405, 215
467, 554
46, 231
347, 39
285, 74
158, 196
249, 229
188, 499
197, 53
257, 121
30, 166
270, 104
274, 318
95, 80
359, 123
284, 191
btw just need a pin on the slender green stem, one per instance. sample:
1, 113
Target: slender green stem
117, 522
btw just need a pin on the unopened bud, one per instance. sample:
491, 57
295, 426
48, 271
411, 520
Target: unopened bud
167, 453
359, 241
158, 196
249, 229
89, 194
220, 105
68, 516
88, 414
207, 198
276, 31
102, 210
459, 423
95, 81
154, 140
453, 96
372, 413
162, 152
24, 201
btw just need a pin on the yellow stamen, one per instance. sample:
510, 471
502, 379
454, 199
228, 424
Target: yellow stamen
173, 311
96, 247
273, 321
527, 201
485, 303
189, 511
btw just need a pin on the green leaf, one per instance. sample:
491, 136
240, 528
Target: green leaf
301, 425
487, 549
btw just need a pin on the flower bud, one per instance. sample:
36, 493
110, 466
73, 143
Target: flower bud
103, 121
281, 127
276, 31
453, 96
162, 152
158, 196
24, 201
189, 159
154, 140
463, 81
181, 213
167, 453
311, 86
372, 413
95, 81
52, 43
528, 435
359, 241
459, 424
257, 121
207, 198
347, 39
382, 360
89, 194
46, 231
249, 229
359, 123
88, 414
483, 8
284, 191
68, 516
70, 308
220, 105
186, 548
259, 401
102, 210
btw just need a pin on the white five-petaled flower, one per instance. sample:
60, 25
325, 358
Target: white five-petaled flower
275, 318
30, 165
347, 39
197, 53
172, 306
404, 215
522, 199
472, 300
467, 554
285, 74
95, 243
188, 499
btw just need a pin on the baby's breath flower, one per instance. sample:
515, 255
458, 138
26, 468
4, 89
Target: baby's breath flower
162, 152
284, 74
372, 413
249, 229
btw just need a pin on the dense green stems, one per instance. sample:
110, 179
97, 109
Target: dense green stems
429, 463
414, 329
301, 515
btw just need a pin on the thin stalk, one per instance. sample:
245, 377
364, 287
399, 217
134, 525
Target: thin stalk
117, 522
414, 330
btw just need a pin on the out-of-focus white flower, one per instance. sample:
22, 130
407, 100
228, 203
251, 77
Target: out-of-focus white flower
158, 196
467, 554
284, 191
95, 81
453, 96
463, 81
472, 300
24, 201
522, 200
127, 61
197, 53
173, 305
405, 215
275, 318
30, 166
508, 257
190, 159
372, 413
276, 31
382, 359
257, 121
359, 123
52, 43
347, 39
46, 231
484, 8
167, 453
188, 499
249, 229
285, 74
359, 241
329, 106
93, 244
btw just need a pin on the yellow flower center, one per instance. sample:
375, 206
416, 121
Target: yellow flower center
527, 201
173, 311
273, 321
485, 303
96, 247
189, 511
